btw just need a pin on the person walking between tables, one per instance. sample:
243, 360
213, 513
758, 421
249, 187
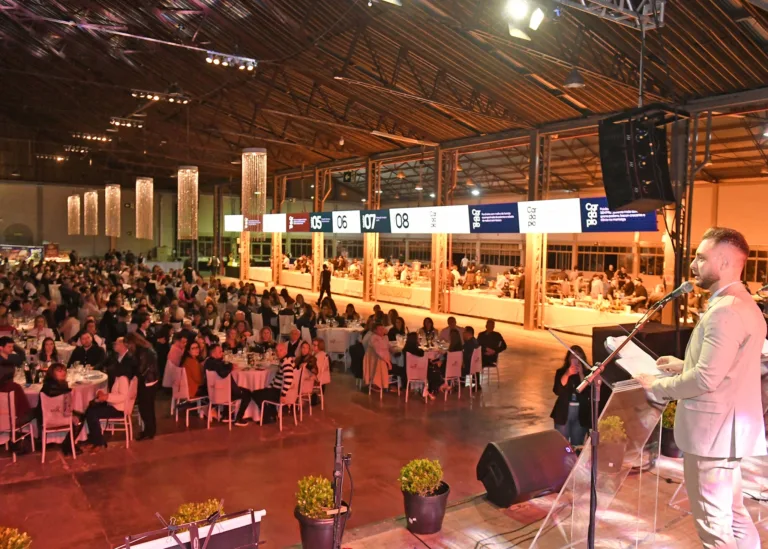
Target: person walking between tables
325, 283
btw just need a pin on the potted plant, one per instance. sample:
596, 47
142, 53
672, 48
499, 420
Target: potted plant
425, 495
667, 445
12, 538
613, 444
314, 500
193, 512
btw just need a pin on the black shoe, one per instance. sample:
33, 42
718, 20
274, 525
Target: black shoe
144, 436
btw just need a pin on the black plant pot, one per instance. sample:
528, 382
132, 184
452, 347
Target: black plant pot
667, 446
317, 533
610, 456
425, 513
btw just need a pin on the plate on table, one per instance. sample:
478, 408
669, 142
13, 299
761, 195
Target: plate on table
93, 377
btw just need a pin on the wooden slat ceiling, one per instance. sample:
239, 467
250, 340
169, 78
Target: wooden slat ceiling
430, 70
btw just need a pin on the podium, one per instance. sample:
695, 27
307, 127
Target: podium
621, 525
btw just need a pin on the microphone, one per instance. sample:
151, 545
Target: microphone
684, 288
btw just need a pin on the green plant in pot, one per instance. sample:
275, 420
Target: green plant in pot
425, 495
194, 512
667, 445
314, 501
12, 538
613, 444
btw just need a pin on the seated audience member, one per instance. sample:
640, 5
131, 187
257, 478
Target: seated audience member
306, 359
307, 320
176, 352
54, 384
9, 353
8, 362
280, 386
112, 404
470, 344
427, 331
194, 370
216, 363
445, 333
47, 352
267, 343
492, 343
232, 343
398, 329
294, 343
350, 314
88, 354
40, 330
90, 327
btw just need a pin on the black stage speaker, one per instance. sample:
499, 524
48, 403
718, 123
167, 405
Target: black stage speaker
633, 158
525, 467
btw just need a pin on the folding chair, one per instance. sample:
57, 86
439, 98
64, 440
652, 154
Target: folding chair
306, 390
220, 394
126, 422
323, 375
290, 399
9, 431
286, 325
181, 396
453, 370
391, 380
475, 368
257, 322
416, 368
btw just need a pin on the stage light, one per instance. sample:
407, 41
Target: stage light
225, 60
126, 122
517, 9
518, 33
171, 100
536, 18
250, 67
574, 80
432, 195
418, 187
765, 132
209, 59
363, 200
475, 192
216, 62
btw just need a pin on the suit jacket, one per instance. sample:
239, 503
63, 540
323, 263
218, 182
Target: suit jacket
719, 413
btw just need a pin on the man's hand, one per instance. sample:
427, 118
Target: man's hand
490, 352
670, 364
646, 380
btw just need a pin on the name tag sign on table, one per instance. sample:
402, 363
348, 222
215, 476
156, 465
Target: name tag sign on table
570, 215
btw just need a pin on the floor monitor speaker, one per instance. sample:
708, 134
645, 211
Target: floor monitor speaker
633, 158
525, 467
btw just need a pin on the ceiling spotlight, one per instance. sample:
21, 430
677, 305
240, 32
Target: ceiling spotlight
574, 79
363, 200
242, 63
400, 175
341, 141
515, 32
155, 98
765, 132
432, 195
56, 157
379, 192
171, 100
126, 122
708, 163
209, 59
134, 94
469, 182
418, 187
249, 67
517, 9
475, 192
216, 61
536, 18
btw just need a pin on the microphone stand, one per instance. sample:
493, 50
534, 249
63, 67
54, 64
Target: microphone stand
594, 381
340, 463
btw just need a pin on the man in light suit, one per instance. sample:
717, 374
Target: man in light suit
719, 416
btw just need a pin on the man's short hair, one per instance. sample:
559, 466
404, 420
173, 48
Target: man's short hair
5, 340
179, 336
469, 330
724, 235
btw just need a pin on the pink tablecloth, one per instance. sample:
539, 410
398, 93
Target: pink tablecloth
253, 379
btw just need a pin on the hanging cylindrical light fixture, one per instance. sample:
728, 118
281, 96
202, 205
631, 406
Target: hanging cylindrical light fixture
73, 215
145, 197
253, 201
187, 203
91, 217
112, 210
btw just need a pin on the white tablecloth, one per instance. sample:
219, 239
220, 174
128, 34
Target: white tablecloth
347, 286
581, 320
261, 274
338, 340
485, 304
414, 296
296, 279
253, 379
64, 350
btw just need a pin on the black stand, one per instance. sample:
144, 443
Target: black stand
594, 381
341, 463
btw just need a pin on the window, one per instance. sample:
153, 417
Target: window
651, 261
185, 248
301, 246
756, 269
350, 248
205, 246
391, 248
560, 256
597, 258
498, 253
261, 249
419, 250
328, 248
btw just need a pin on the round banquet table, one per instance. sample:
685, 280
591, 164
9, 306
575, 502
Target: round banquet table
64, 350
84, 388
252, 378
338, 340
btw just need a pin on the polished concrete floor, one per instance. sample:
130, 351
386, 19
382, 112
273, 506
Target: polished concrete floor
93, 501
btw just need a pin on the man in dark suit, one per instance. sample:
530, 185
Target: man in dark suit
120, 362
325, 284
88, 353
108, 325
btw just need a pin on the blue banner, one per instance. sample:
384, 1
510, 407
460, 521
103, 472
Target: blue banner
375, 221
494, 218
596, 217
321, 222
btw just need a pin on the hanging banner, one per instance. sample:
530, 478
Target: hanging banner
566, 216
